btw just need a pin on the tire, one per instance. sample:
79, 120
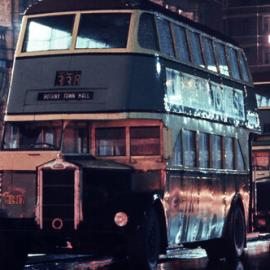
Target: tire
236, 234
144, 245
232, 245
13, 252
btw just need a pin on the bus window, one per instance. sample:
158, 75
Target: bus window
209, 55
165, 37
144, 141
229, 153
221, 59
181, 43
48, 33
76, 139
203, 150
196, 50
189, 145
233, 63
27, 136
216, 151
147, 35
240, 164
244, 67
177, 151
98, 31
261, 160
110, 142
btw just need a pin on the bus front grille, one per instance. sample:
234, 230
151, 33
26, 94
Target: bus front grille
58, 199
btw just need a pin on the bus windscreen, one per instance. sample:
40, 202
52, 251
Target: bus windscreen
48, 33
98, 31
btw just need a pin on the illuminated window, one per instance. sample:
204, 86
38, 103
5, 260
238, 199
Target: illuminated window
216, 151
144, 141
48, 33
196, 50
229, 153
110, 142
233, 63
98, 31
181, 43
189, 146
76, 139
165, 38
147, 35
221, 59
204, 150
209, 54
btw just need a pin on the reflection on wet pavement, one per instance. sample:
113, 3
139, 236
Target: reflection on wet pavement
257, 258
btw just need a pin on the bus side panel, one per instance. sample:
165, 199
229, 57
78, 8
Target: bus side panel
197, 204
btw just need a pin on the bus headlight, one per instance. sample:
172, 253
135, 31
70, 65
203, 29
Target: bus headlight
121, 219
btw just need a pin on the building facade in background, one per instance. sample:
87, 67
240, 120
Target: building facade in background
248, 22
10, 21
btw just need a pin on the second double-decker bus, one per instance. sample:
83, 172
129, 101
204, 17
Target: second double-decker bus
127, 131
261, 163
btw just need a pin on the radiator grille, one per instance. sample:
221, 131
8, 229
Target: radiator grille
58, 198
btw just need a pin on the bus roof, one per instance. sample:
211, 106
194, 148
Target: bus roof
49, 6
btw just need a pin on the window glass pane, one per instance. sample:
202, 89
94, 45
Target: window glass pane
196, 50
209, 54
261, 160
48, 33
33, 135
233, 62
147, 35
76, 139
216, 151
244, 68
177, 151
204, 150
98, 31
221, 59
144, 141
165, 38
181, 43
240, 163
189, 148
110, 142
228, 147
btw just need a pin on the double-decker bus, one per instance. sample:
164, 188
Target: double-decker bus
127, 132
261, 163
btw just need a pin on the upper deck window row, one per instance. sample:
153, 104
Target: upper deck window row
192, 47
96, 31
110, 31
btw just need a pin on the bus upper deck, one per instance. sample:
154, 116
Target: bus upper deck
77, 57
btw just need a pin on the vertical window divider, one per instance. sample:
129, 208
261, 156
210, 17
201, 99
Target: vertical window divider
210, 141
223, 152
197, 149
176, 54
127, 131
93, 140
158, 35
75, 31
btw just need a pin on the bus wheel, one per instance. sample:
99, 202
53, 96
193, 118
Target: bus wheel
236, 234
144, 245
13, 252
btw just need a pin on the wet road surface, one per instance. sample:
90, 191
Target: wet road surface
257, 258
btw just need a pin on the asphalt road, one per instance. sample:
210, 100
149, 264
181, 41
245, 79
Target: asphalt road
257, 258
